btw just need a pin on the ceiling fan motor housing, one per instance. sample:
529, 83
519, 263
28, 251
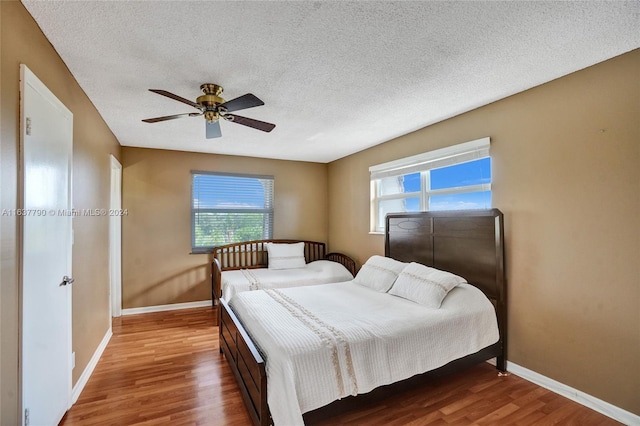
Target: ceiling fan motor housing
210, 100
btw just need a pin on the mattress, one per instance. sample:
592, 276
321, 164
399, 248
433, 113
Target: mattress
317, 272
323, 343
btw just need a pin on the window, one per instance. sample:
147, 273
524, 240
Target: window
453, 178
228, 208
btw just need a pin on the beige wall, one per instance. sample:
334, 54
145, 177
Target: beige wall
23, 42
566, 174
158, 268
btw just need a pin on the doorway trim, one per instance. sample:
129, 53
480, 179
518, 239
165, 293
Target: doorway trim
115, 239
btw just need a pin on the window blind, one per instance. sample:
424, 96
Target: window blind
229, 208
455, 154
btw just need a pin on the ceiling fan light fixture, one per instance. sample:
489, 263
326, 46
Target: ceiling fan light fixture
211, 115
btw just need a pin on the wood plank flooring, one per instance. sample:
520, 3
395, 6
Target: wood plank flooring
165, 369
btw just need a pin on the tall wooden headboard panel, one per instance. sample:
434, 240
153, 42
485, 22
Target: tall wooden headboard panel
469, 243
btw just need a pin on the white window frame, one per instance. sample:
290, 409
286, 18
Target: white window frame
423, 163
269, 193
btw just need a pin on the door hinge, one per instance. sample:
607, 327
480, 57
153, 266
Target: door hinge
26, 417
28, 125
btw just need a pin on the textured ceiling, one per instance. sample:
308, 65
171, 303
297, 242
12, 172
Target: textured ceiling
336, 77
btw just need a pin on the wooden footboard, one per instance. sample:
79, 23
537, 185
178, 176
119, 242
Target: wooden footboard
246, 363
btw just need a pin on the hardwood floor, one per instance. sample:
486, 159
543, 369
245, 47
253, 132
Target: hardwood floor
165, 369
161, 368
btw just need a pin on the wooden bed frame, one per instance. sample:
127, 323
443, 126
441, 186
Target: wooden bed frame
253, 254
466, 243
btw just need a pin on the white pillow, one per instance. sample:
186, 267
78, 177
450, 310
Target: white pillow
424, 285
379, 273
286, 256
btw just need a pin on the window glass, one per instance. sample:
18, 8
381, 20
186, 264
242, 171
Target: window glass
412, 182
400, 205
228, 209
412, 204
463, 201
470, 173
399, 184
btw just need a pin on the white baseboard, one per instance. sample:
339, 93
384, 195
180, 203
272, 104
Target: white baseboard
171, 307
580, 397
84, 377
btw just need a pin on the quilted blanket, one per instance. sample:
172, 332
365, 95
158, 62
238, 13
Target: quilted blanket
318, 272
322, 343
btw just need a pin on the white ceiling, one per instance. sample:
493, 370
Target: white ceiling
336, 77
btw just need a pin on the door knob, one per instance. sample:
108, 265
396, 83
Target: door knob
67, 280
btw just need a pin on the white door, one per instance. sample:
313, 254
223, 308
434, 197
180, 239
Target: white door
115, 238
47, 141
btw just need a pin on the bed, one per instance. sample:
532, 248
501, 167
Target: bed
245, 266
466, 243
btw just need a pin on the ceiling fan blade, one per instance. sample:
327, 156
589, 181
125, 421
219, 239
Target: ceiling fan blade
245, 101
170, 117
250, 122
175, 97
213, 129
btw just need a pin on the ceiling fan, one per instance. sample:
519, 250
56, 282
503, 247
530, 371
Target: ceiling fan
213, 107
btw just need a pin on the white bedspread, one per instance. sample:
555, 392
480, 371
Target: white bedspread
326, 342
317, 272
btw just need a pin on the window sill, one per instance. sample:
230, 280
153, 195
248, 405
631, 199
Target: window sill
375, 233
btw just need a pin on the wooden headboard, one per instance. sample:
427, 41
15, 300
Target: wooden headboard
253, 254
469, 243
